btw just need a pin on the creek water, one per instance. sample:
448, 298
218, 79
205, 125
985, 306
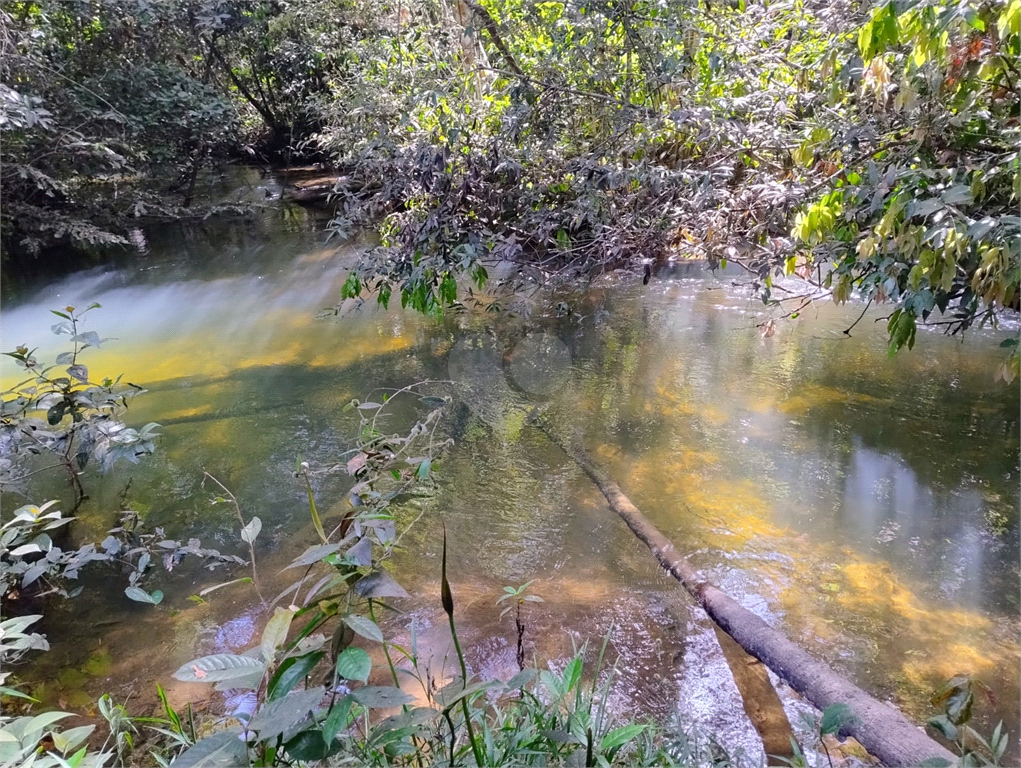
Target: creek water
867, 506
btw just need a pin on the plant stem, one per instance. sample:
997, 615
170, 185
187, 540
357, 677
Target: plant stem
386, 653
241, 519
464, 701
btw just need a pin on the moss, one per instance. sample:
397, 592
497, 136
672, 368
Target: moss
98, 664
71, 678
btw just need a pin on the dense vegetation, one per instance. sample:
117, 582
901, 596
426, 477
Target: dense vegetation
864, 147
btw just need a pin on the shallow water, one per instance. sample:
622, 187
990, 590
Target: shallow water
868, 506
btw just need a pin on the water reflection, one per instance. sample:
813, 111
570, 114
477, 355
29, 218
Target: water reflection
863, 504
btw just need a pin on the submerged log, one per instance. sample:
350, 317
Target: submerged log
760, 700
315, 188
882, 729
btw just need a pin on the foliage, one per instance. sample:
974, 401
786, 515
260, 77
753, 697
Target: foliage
96, 97
866, 149
925, 217
957, 698
604, 134
82, 418
520, 596
28, 554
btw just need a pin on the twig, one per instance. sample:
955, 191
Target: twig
847, 331
241, 519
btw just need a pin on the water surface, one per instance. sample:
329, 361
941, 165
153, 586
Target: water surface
868, 506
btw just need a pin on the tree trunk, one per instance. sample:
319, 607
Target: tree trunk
880, 728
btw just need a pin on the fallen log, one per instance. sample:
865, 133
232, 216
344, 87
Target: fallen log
883, 730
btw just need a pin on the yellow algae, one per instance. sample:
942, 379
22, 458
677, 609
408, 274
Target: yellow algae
676, 404
292, 338
873, 585
187, 413
359, 347
809, 396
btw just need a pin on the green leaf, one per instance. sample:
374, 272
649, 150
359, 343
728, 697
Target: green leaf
291, 672
40, 722
621, 736
363, 626
221, 750
55, 413
139, 595
168, 710
451, 694
315, 513
314, 554
942, 724
446, 596
275, 633
835, 717
572, 673
957, 195
423, 469
337, 720
1009, 22
281, 715
381, 697
377, 584
361, 553
72, 738
220, 666
207, 590
521, 679
307, 747
354, 664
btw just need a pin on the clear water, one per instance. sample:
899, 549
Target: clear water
868, 506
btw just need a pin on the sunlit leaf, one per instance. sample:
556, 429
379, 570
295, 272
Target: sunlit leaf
354, 664
217, 667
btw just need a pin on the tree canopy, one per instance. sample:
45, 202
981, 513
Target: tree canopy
867, 147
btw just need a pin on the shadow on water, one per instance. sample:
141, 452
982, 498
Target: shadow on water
867, 506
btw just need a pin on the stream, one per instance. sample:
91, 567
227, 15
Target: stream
865, 505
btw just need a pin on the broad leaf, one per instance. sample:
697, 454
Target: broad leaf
314, 554
360, 553
275, 633
281, 715
221, 750
250, 531
354, 664
379, 584
291, 672
835, 717
365, 627
381, 697
620, 736
139, 595
218, 667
